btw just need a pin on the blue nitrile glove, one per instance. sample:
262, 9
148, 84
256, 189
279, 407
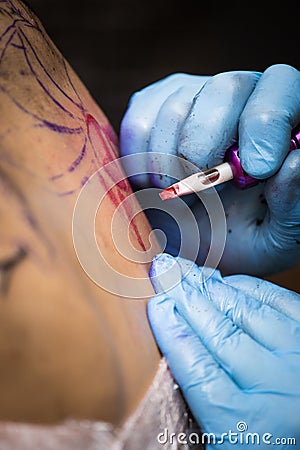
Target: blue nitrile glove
233, 346
198, 118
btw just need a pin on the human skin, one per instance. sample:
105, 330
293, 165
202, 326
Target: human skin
68, 348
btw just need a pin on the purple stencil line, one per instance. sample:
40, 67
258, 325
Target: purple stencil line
47, 92
6, 45
9, 28
47, 73
57, 128
79, 158
64, 194
50, 125
15, 10
56, 177
20, 47
72, 85
84, 181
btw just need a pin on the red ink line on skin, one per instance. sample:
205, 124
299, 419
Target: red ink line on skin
113, 137
137, 234
102, 141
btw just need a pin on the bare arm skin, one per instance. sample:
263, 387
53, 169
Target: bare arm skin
68, 349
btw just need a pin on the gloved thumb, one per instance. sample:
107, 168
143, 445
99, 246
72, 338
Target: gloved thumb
283, 199
165, 273
280, 229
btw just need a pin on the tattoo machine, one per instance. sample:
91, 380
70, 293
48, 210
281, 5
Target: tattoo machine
231, 169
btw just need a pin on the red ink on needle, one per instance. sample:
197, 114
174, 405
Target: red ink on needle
169, 193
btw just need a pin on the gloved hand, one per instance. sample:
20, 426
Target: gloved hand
198, 118
233, 345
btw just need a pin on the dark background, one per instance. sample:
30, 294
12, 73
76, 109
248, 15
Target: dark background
119, 46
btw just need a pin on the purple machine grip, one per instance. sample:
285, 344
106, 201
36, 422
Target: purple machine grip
241, 179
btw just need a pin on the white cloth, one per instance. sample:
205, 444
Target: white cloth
162, 410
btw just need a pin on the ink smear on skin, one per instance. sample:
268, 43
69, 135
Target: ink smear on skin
104, 147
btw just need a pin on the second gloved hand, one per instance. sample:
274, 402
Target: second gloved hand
233, 345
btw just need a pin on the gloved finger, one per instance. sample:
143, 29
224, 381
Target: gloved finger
140, 117
165, 132
247, 301
257, 319
167, 272
205, 385
282, 227
235, 351
272, 111
282, 300
212, 123
283, 192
